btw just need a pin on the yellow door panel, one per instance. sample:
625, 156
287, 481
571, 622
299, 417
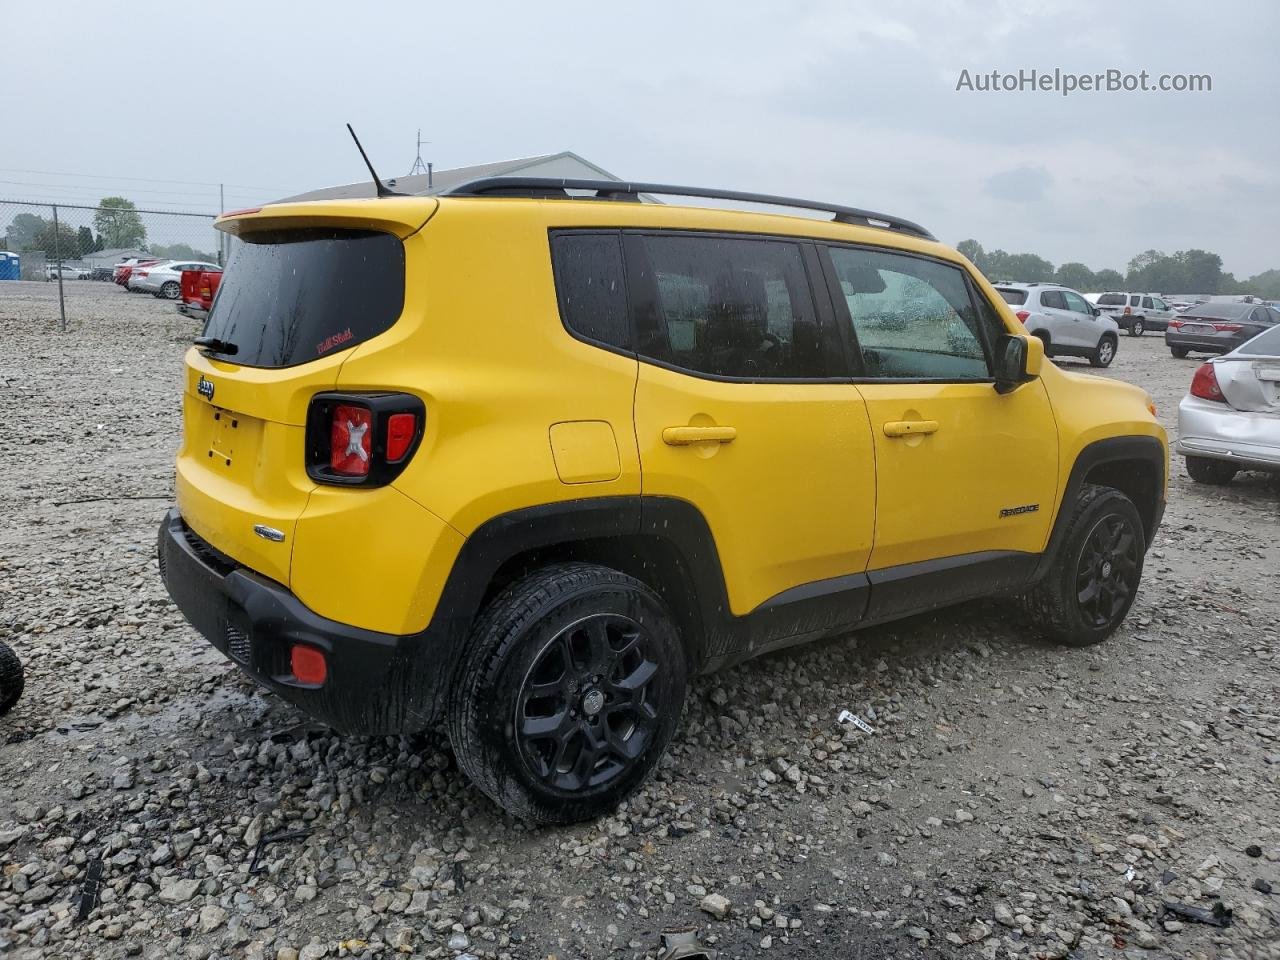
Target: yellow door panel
783, 473
961, 469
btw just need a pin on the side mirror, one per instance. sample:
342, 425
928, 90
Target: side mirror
1017, 360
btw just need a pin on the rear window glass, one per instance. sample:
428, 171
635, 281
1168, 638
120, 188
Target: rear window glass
591, 287
1015, 297
1111, 300
1264, 344
1219, 311
290, 296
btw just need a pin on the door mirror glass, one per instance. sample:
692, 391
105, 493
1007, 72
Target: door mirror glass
1013, 364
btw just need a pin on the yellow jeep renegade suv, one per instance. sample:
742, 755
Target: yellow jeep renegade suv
525, 456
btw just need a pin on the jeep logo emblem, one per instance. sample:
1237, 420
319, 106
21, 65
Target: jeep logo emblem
205, 388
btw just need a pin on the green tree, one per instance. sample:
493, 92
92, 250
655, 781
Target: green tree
66, 246
84, 241
1025, 267
23, 230
118, 223
182, 251
1077, 276
1266, 284
1108, 280
972, 250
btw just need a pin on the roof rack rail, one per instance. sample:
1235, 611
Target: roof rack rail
554, 188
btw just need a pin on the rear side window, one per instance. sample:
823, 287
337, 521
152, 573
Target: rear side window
1014, 297
290, 296
591, 287
1111, 300
913, 318
728, 307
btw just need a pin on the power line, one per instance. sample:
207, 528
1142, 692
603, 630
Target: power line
96, 176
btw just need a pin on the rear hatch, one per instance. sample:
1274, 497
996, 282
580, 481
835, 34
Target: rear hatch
305, 284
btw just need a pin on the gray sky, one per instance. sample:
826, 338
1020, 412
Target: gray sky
847, 101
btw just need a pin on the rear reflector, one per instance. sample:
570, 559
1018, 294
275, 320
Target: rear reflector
1022, 315
1205, 384
351, 441
308, 664
401, 430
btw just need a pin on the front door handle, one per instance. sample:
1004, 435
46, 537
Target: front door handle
909, 428
684, 436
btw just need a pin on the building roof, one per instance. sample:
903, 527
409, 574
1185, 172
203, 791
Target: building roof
116, 253
442, 180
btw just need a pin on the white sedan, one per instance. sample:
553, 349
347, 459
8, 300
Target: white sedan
164, 279
1230, 421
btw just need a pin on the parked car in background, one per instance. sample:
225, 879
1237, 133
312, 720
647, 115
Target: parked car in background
164, 279
1064, 320
68, 272
1218, 326
1137, 312
101, 273
198, 289
124, 269
1230, 419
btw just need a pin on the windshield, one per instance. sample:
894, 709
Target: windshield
291, 296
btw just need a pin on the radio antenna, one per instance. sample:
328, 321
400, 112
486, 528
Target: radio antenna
380, 188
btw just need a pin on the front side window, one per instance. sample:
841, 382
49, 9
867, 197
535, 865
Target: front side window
1076, 303
728, 307
912, 318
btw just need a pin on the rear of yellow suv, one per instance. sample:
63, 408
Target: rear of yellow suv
524, 460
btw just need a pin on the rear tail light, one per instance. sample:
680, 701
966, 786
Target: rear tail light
1205, 384
1022, 315
1228, 327
1174, 324
308, 664
362, 439
1127, 311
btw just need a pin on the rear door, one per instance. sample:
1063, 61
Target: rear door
966, 477
744, 408
293, 302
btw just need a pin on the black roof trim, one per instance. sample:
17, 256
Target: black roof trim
554, 188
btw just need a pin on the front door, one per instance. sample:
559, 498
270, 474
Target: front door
966, 477
745, 409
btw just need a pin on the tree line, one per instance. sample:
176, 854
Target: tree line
1152, 271
117, 225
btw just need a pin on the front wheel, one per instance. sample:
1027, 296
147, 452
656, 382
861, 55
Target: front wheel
1213, 472
1136, 328
1103, 353
570, 689
1094, 578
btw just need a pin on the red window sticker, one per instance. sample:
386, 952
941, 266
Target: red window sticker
334, 340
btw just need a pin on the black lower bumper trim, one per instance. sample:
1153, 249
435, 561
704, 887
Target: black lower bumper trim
378, 683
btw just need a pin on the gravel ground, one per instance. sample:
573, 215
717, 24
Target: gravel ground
1016, 800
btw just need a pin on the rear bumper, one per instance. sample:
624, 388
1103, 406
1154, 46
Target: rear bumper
1209, 429
377, 683
1206, 343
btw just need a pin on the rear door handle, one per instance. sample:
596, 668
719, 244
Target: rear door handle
683, 436
909, 428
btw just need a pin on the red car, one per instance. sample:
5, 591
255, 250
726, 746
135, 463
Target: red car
198, 288
125, 267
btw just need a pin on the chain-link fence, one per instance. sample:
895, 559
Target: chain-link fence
81, 252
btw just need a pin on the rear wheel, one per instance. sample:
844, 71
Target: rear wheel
1211, 471
568, 694
171, 290
1095, 575
1136, 328
1179, 353
1104, 352
11, 679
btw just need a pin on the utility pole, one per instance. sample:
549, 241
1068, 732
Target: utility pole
57, 257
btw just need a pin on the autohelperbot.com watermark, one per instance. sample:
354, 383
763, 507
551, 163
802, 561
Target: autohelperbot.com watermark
1065, 82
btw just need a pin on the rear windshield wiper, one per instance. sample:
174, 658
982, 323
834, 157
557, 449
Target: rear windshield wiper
217, 346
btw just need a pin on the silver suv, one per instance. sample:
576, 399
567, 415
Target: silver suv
1137, 312
1064, 320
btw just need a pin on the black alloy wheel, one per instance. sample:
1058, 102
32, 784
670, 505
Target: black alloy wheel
1108, 571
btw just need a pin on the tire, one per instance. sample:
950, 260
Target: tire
1104, 352
11, 679
1103, 549
1216, 473
565, 632
1048, 344
1136, 329
170, 290
1179, 353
